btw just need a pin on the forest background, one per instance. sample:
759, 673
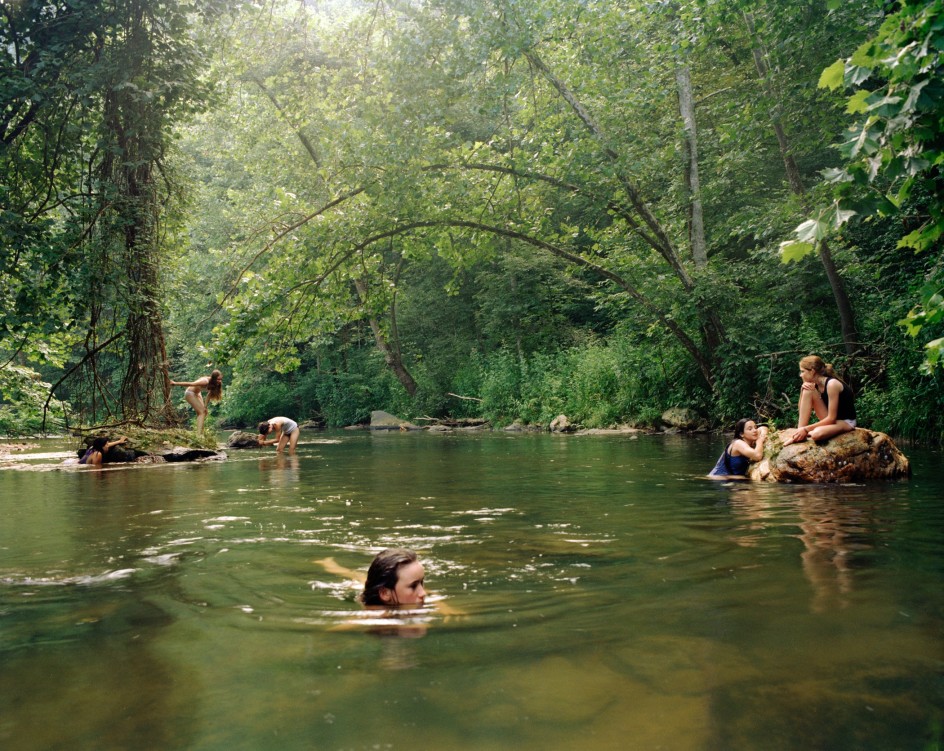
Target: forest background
507, 209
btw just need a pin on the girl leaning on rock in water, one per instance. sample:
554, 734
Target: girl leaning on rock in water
747, 447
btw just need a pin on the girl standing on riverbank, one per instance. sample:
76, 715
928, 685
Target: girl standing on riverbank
212, 384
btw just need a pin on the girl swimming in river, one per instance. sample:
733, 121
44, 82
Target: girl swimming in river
395, 577
212, 384
395, 580
747, 447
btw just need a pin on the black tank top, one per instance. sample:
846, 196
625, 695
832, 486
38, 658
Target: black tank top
846, 400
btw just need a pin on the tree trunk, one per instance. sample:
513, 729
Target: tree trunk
696, 224
712, 328
391, 354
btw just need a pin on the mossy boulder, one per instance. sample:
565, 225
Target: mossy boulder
851, 457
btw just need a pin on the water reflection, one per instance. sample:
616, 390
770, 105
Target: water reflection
837, 527
282, 470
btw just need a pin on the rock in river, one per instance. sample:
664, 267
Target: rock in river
851, 457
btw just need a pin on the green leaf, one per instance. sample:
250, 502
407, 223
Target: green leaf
857, 103
922, 238
933, 353
792, 250
811, 231
842, 216
832, 77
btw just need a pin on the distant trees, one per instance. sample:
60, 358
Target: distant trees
390, 203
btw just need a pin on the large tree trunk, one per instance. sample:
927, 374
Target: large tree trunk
145, 389
696, 222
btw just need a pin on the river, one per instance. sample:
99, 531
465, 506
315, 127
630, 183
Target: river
610, 597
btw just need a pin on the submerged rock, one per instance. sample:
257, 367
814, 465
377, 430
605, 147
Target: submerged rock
186, 454
854, 456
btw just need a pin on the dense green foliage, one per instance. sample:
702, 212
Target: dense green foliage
91, 92
507, 209
894, 154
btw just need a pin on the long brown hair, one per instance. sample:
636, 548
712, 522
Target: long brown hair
215, 387
816, 364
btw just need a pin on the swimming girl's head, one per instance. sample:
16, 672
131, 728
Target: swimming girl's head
395, 577
215, 386
263, 428
99, 443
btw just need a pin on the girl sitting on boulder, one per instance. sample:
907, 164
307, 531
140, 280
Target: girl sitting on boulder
823, 393
747, 447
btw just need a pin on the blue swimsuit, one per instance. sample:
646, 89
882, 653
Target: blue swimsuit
730, 465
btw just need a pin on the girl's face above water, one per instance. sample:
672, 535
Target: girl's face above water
409, 589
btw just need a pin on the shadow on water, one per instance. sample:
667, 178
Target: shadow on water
610, 597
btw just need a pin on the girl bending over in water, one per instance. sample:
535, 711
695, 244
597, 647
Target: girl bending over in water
286, 432
212, 384
747, 447
828, 397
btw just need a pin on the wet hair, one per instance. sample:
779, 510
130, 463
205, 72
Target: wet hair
99, 443
739, 427
816, 364
263, 428
384, 572
215, 386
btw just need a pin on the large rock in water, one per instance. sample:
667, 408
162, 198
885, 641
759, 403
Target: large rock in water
380, 420
240, 439
857, 455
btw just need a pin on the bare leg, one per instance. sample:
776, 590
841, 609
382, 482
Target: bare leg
292, 441
808, 402
825, 432
283, 439
196, 401
805, 407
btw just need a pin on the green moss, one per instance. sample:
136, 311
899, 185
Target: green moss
152, 440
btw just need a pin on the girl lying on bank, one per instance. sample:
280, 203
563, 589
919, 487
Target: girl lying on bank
828, 397
747, 447
95, 454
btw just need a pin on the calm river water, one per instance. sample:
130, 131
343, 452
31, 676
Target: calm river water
613, 599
